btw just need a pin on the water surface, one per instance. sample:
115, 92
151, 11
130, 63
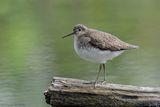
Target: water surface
32, 50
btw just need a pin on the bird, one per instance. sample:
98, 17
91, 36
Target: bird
97, 46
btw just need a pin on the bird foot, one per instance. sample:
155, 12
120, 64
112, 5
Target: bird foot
99, 82
103, 82
95, 83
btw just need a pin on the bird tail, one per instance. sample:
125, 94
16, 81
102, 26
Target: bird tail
133, 46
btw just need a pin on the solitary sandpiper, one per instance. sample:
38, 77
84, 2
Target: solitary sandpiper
97, 46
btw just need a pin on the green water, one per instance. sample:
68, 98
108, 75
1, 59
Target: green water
32, 50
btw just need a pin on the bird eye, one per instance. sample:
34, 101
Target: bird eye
79, 29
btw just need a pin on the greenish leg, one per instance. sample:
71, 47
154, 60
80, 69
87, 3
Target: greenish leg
100, 67
104, 70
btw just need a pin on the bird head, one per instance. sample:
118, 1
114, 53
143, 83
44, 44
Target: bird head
78, 30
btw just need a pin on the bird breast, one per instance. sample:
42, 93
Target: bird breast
92, 54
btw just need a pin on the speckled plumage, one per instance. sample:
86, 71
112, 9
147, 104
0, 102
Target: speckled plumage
103, 41
97, 46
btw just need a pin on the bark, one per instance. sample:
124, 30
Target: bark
67, 92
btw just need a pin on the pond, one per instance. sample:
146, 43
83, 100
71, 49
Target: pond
32, 50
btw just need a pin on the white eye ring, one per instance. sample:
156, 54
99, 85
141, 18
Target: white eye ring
79, 29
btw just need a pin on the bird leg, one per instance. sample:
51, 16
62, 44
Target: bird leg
100, 67
104, 70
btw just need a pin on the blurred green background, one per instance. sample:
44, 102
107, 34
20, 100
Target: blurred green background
32, 50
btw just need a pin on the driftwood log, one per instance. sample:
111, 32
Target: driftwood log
67, 92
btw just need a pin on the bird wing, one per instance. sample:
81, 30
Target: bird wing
106, 41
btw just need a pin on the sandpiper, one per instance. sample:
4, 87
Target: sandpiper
97, 46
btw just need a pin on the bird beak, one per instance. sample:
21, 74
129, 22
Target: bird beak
68, 34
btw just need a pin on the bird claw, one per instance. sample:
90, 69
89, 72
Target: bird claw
99, 82
95, 83
103, 82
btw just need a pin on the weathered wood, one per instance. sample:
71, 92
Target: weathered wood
66, 92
